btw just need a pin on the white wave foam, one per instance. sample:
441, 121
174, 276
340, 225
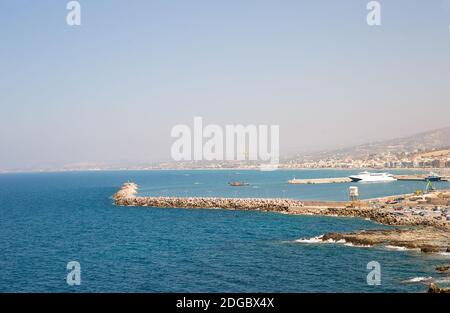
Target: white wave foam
398, 248
317, 239
349, 244
417, 280
336, 241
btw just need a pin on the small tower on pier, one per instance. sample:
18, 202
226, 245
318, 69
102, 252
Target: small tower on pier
353, 193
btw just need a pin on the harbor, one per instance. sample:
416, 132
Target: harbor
334, 180
426, 216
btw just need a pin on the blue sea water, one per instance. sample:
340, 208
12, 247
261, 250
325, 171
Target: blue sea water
49, 219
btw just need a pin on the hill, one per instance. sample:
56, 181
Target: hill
438, 139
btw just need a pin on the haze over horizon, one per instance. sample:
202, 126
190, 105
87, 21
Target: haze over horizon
109, 91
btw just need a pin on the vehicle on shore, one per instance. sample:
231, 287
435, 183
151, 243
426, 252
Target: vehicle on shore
372, 177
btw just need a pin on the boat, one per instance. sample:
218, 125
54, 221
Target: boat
238, 184
372, 177
433, 177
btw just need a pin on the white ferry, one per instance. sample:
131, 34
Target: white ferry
372, 177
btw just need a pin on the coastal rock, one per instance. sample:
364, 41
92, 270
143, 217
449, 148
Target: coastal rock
424, 233
425, 239
433, 288
429, 249
443, 268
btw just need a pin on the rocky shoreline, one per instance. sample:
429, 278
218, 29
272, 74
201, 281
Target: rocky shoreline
127, 196
433, 288
424, 239
425, 233
381, 216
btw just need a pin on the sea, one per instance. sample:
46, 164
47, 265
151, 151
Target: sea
50, 219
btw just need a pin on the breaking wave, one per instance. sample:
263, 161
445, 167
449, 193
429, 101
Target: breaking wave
317, 239
417, 280
398, 248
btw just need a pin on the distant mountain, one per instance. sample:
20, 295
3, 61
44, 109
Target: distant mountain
426, 141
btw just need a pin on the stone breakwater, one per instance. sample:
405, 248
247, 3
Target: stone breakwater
126, 196
429, 234
127, 191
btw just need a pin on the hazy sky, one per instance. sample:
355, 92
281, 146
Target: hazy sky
110, 90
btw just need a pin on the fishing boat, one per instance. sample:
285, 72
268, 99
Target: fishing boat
238, 184
433, 177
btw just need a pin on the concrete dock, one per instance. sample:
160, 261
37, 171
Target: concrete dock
416, 178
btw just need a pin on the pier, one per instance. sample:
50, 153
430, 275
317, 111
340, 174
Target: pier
417, 178
126, 196
428, 230
383, 210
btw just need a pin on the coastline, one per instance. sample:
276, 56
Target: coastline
419, 233
257, 169
425, 233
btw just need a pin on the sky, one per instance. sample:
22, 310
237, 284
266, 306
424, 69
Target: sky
110, 90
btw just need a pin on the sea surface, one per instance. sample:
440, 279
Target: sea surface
49, 219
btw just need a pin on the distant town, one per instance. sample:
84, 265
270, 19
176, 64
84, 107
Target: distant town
438, 158
427, 150
432, 159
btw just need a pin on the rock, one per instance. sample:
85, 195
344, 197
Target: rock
443, 268
429, 249
333, 236
427, 239
427, 234
433, 288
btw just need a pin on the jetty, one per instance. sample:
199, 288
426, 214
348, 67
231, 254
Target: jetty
383, 210
418, 178
126, 196
424, 219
